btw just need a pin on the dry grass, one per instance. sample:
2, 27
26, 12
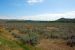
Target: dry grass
55, 44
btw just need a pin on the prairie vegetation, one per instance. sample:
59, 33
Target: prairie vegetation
36, 35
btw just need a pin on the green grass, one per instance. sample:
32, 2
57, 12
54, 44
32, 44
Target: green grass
8, 43
16, 45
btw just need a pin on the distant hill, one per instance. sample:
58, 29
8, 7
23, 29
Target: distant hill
65, 20
26, 21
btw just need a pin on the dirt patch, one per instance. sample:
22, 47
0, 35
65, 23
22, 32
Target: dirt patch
55, 44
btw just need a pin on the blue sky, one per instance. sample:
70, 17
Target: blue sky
37, 9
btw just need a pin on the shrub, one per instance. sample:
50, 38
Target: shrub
31, 38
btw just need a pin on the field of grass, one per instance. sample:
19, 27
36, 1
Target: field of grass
8, 42
35, 35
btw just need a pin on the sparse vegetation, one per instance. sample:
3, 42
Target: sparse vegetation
27, 35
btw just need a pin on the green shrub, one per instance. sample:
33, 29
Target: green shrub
31, 38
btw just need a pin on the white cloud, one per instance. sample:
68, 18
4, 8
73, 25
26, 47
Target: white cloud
8, 17
44, 17
31, 2
70, 14
49, 16
4, 17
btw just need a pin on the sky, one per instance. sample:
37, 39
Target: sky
37, 9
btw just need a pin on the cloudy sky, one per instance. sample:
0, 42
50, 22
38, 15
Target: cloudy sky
37, 9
